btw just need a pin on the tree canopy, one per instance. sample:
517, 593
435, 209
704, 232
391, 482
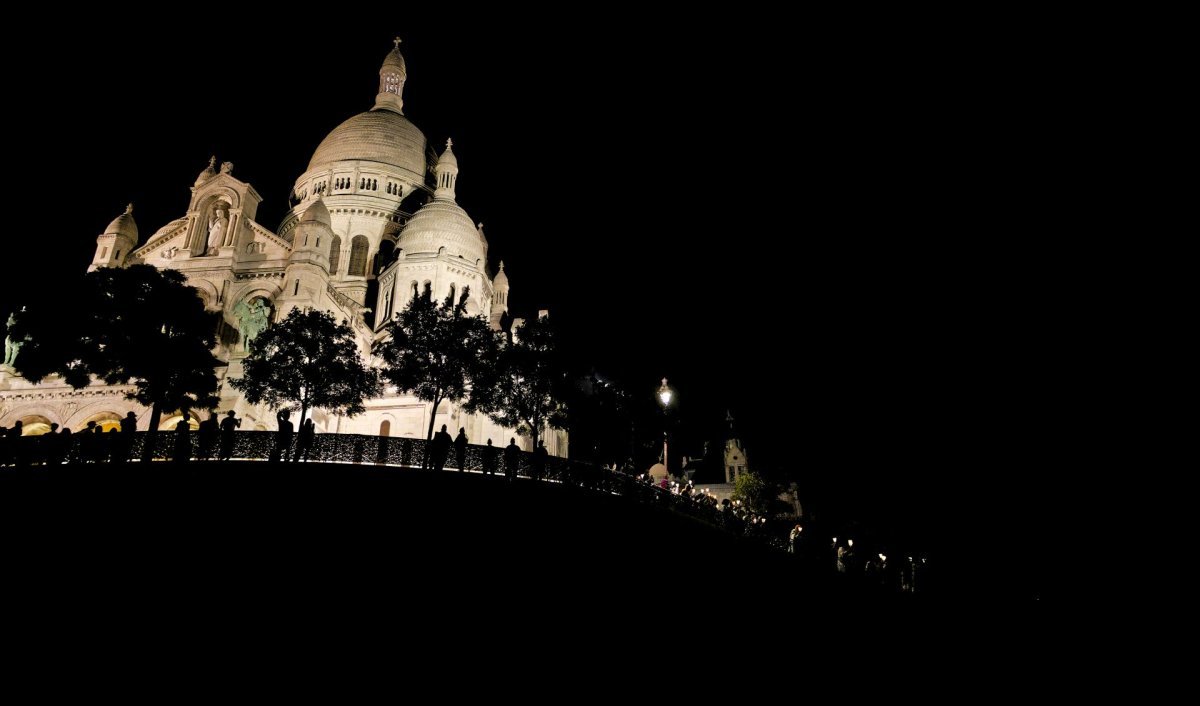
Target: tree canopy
309, 359
436, 351
526, 386
755, 492
137, 324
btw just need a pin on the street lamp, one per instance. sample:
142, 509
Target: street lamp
664, 397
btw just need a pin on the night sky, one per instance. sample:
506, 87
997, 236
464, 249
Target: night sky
833, 226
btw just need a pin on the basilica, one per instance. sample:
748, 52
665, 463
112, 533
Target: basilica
351, 244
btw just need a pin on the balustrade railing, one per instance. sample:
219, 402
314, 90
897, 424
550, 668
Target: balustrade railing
396, 452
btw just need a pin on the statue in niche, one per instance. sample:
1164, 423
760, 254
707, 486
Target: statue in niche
253, 317
218, 225
12, 345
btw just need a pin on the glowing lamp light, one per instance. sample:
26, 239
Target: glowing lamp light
664, 393
882, 557
849, 542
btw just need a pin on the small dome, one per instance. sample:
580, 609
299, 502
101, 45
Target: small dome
395, 62
448, 158
317, 213
501, 279
382, 136
443, 223
124, 225
208, 173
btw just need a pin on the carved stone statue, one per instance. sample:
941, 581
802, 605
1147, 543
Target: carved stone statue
218, 225
226, 167
12, 346
253, 317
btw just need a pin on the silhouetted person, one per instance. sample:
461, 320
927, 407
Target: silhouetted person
100, 447
539, 461
489, 458
440, 448
206, 439
304, 439
283, 440
183, 441
54, 445
228, 425
460, 449
512, 457
64, 445
112, 445
46, 445
128, 428
87, 443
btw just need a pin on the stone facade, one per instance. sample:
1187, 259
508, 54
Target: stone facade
348, 245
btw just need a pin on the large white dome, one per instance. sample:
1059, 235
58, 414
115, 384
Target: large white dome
441, 222
379, 135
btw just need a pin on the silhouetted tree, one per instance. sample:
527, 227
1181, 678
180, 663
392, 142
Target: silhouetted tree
526, 386
437, 352
311, 360
137, 324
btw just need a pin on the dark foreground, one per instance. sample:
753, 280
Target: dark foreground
316, 542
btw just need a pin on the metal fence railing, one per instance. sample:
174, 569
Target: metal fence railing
115, 447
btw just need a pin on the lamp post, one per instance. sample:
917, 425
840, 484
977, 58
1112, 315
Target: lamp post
664, 398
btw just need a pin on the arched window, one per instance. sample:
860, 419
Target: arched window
414, 289
385, 428
358, 256
335, 255
35, 425
452, 291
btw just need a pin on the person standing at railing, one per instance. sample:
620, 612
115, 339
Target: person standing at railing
228, 424
460, 449
128, 427
489, 458
304, 440
512, 456
183, 441
440, 449
283, 440
539, 461
64, 446
206, 439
